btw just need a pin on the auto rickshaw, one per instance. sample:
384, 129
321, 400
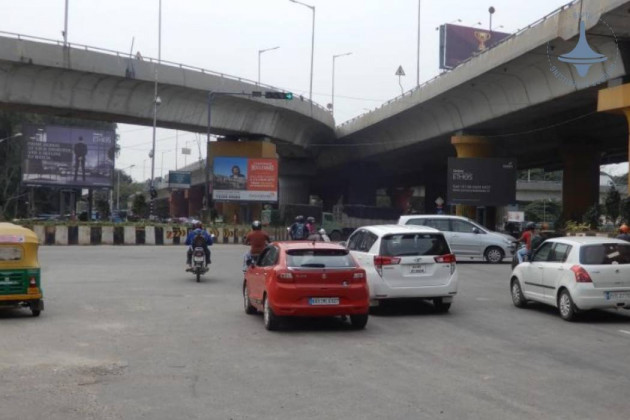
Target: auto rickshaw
20, 280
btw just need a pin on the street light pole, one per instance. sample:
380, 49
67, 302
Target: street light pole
259, 54
156, 102
418, 72
491, 10
333, 80
65, 26
310, 94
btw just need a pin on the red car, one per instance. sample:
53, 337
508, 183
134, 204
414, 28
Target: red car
306, 279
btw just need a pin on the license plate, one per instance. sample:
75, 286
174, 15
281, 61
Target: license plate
418, 269
324, 301
617, 295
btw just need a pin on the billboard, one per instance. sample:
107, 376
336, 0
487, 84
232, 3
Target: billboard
245, 179
458, 43
481, 181
179, 179
68, 156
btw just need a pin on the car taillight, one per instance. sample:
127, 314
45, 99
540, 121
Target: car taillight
380, 261
32, 282
581, 275
285, 277
358, 277
447, 258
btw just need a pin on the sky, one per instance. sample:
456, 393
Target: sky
226, 35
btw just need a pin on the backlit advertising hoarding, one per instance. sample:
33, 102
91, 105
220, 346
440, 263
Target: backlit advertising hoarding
179, 179
245, 179
481, 181
68, 156
458, 43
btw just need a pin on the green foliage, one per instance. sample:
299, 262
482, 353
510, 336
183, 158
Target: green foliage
574, 227
612, 204
591, 216
543, 211
140, 207
539, 174
625, 210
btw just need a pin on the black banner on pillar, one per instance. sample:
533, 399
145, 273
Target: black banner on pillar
481, 181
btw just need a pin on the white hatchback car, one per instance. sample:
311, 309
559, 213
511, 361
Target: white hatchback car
406, 262
575, 274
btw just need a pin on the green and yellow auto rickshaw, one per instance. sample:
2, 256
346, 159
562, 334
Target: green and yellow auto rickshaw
20, 281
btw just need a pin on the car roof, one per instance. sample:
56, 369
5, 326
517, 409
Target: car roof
433, 216
398, 229
307, 245
587, 240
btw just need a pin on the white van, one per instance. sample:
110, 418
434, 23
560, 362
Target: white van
406, 262
468, 240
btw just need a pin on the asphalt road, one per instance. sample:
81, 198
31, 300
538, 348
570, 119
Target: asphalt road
126, 334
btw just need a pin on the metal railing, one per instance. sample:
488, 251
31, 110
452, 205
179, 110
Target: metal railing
469, 59
150, 60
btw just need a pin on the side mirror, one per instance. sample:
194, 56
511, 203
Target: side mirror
250, 262
476, 230
344, 244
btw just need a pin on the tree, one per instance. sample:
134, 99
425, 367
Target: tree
591, 217
625, 210
140, 207
612, 204
543, 211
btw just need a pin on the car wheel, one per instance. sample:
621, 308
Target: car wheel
494, 255
566, 307
358, 321
249, 308
270, 319
517, 294
441, 307
335, 236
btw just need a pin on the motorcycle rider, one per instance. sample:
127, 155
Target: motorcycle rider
526, 237
198, 237
298, 230
257, 239
623, 233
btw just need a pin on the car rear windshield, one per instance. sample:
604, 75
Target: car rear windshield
411, 244
320, 258
10, 253
602, 254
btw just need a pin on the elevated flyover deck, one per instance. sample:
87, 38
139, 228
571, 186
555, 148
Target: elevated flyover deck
40, 75
516, 94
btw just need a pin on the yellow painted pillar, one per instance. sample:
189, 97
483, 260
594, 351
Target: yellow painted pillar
470, 147
617, 100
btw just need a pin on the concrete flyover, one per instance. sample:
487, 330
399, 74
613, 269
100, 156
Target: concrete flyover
508, 93
40, 75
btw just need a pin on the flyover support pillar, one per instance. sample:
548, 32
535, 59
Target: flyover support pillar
580, 180
617, 100
468, 146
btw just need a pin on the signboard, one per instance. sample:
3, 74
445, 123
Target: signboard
515, 216
481, 181
458, 43
245, 179
179, 179
69, 156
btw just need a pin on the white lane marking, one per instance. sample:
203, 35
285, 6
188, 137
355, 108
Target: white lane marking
624, 332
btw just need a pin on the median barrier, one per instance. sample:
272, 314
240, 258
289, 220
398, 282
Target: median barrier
142, 235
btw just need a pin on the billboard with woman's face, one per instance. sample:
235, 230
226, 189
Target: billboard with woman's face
245, 179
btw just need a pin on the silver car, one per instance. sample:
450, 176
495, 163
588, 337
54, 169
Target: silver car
467, 239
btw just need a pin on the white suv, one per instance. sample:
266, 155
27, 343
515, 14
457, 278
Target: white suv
406, 262
467, 239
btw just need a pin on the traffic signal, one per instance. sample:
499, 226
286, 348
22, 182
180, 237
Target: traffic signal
287, 96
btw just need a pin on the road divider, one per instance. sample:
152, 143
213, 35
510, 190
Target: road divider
141, 235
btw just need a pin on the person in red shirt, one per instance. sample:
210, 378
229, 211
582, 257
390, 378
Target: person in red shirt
526, 237
257, 239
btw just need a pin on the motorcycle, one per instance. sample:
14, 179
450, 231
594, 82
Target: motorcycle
199, 265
